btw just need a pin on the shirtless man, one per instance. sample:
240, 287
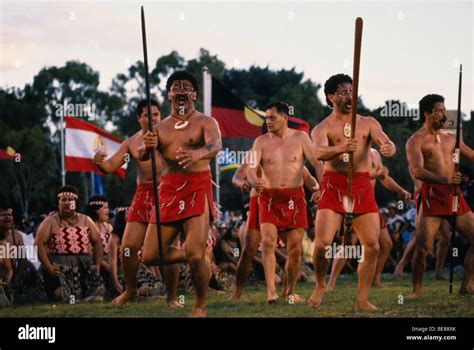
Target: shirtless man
430, 159
187, 140
331, 146
377, 172
251, 236
141, 209
444, 235
281, 203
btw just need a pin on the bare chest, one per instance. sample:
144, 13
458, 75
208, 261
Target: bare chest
277, 151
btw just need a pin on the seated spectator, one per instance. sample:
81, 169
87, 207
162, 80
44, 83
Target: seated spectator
6, 275
98, 210
68, 271
227, 250
24, 273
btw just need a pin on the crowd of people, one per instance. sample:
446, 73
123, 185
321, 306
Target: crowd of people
27, 280
284, 233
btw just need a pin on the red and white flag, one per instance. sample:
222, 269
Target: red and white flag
83, 140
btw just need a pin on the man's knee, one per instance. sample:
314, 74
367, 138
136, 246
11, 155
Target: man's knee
372, 248
269, 243
386, 245
195, 257
295, 252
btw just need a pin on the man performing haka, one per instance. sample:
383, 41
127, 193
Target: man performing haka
281, 203
251, 237
430, 158
187, 140
444, 234
141, 209
331, 143
377, 172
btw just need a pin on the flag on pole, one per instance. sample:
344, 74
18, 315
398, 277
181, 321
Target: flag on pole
97, 185
7, 153
83, 140
237, 120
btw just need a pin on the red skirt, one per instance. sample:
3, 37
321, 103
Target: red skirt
417, 199
334, 186
253, 213
437, 200
142, 206
183, 195
284, 208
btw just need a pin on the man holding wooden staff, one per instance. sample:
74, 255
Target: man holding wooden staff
430, 159
187, 140
333, 143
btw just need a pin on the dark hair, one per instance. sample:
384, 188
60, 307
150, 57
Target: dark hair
5, 206
182, 75
93, 206
280, 106
428, 102
143, 104
68, 188
330, 86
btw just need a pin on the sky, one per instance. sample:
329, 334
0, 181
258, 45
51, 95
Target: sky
409, 49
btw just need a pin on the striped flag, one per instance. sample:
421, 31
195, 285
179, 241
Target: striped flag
237, 120
83, 140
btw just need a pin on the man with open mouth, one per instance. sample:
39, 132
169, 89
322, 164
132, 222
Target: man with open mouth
187, 140
333, 144
430, 159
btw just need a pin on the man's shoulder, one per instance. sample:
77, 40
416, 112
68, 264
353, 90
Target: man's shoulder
367, 120
263, 138
416, 137
298, 134
205, 119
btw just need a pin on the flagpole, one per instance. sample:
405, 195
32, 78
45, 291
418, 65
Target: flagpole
61, 130
207, 103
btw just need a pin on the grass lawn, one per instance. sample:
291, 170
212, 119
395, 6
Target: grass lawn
435, 302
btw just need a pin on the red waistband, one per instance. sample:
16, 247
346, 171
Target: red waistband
439, 186
287, 191
195, 174
145, 186
343, 175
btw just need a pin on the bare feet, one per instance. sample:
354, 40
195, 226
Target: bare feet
173, 304
466, 291
365, 306
124, 297
272, 298
236, 295
378, 284
398, 273
295, 299
316, 297
198, 312
272, 301
414, 295
330, 287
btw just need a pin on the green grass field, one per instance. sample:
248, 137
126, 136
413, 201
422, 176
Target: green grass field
435, 302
